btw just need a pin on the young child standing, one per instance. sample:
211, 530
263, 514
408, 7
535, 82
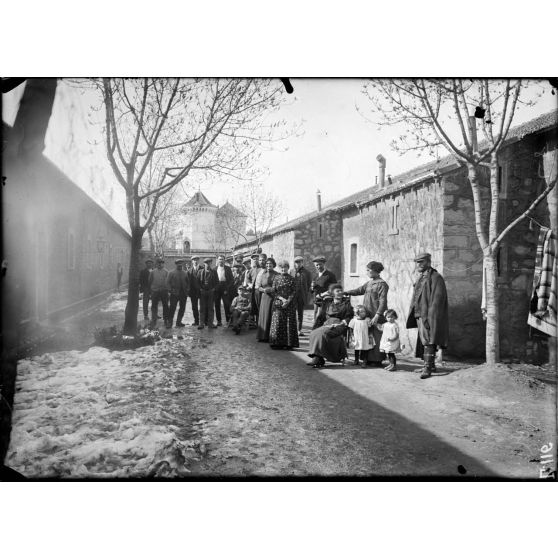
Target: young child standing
360, 325
390, 343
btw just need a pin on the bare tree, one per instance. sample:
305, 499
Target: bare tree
158, 131
164, 224
259, 210
447, 114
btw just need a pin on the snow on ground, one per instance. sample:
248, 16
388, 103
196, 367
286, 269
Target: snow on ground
78, 414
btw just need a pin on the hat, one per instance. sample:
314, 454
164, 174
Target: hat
254, 256
149, 260
375, 266
238, 266
299, 259
160, 260
208, 260
243, 288
178, 262
195, 258
319, 259
263, 255
423, 256
237, 255
335, 286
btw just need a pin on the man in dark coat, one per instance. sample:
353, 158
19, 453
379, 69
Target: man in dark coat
429, 313
321, 282
223, 290
194, 289
208, 283
144, 286
303, 280
238, 270
178, 285
250, 281
159, 292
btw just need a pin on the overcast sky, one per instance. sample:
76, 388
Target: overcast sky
336, 152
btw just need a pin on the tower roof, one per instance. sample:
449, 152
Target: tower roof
198, 200
227, 206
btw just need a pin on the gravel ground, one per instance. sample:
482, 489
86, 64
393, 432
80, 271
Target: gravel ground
217, 404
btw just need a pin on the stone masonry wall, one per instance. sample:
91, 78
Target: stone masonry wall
524, 174
306, 241
309, 244
419, 229
280, 247
462, 268
520, 184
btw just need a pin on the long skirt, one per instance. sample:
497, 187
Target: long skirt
284, 328
320, 344
264, 317
375, 355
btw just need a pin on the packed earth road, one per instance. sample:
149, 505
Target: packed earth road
213, 403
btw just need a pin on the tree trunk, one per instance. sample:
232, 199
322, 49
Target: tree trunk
132, 305
492, 310
151, 241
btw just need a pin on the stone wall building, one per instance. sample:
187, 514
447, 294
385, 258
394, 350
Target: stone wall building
206, 228
316, 233
430, 208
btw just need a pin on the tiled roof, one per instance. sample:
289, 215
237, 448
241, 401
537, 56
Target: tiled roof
449, 162
198, 199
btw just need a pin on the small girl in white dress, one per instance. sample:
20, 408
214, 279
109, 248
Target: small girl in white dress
389, 343
363, 340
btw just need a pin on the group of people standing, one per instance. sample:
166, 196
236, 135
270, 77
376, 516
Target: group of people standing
271, 297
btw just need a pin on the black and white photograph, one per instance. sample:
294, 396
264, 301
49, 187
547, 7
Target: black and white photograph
279, 277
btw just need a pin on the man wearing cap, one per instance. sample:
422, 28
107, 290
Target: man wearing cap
159, 292
208, 282
144, 286
250, 282
321, 282
240, 308
429, 313
178, 285
238, 279
223, 289
303, 279
238, 259
194, 289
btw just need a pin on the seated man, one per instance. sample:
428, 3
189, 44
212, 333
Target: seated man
240, 308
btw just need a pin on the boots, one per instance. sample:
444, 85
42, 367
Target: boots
429, 361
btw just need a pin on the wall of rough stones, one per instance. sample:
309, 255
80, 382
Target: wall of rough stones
525, 176
520, 184
309, 244
462, 268
280, 246
419, 229
305, 240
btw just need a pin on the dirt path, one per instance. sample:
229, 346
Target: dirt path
245, 409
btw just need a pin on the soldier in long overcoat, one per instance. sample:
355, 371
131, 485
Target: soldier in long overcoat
429, 313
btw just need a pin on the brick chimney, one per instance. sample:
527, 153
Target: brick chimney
319, 199
381, 169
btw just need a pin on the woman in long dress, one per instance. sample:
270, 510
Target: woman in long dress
266, 300
375, 293
284, 330
327, 339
